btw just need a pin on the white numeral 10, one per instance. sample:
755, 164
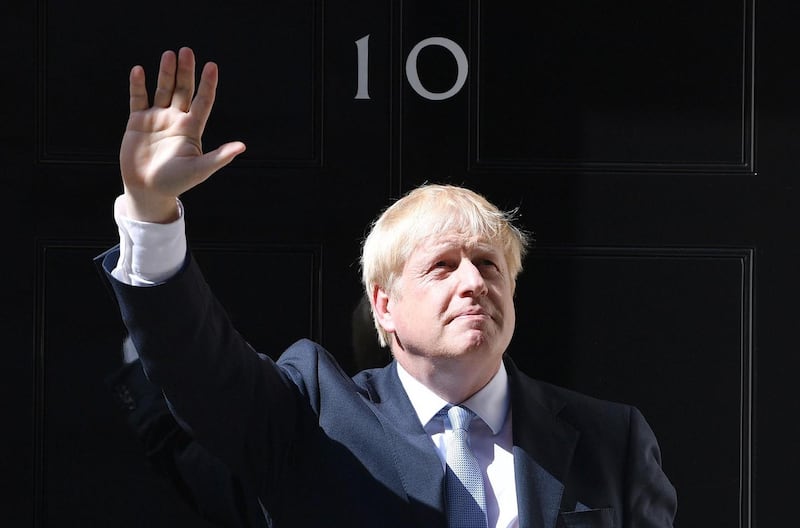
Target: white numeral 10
362, 45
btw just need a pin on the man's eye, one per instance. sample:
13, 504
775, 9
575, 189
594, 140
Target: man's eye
445, 265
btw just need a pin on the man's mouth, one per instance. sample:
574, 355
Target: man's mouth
474, 312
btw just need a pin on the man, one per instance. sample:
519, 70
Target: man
449, 434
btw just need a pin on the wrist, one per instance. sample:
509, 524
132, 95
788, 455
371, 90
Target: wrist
156, 210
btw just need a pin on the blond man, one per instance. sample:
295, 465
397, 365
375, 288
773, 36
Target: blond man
451, 433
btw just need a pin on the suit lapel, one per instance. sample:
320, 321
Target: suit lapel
415, 457
543, 448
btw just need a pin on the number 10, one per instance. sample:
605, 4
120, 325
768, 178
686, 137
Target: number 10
362, 45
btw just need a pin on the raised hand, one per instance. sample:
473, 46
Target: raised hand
161, 155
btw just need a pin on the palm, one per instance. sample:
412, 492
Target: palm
158, 151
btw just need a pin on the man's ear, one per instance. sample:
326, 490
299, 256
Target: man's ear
380, 301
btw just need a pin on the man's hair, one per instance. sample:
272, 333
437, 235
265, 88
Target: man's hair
430, 210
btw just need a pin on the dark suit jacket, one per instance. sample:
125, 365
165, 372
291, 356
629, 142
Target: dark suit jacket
201, 479
324, 449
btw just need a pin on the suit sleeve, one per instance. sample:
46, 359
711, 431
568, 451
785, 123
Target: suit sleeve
200, 479
236, 404
651, 500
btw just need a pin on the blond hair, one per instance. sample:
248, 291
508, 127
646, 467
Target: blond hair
426, 211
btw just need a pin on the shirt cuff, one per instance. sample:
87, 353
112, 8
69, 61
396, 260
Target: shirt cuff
149, 253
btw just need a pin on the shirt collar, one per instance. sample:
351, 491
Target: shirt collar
490, 403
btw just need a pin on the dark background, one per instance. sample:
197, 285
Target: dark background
651, 147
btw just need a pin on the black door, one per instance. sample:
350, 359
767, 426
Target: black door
651, 148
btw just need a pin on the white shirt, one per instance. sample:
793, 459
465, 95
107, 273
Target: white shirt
490, 439
152, 253
148, 253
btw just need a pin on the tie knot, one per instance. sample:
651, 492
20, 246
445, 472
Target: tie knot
460, 417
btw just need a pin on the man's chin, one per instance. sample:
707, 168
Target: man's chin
475, 342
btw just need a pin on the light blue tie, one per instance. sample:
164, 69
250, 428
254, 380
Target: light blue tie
466, 501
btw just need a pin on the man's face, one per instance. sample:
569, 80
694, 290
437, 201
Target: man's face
454, 299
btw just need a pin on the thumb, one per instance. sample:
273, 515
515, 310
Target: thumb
212, 161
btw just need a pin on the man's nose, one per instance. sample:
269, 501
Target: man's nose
472, 283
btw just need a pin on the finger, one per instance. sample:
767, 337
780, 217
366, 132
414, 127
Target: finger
206, 94
166, 80
184, 82
138, 91
211, 162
